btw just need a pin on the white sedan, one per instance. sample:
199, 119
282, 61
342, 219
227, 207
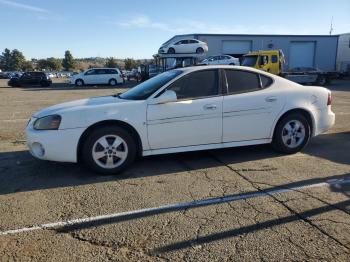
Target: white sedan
220, 60
194, 108
184, 46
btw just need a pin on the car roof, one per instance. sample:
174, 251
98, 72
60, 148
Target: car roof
102, 68
197, 68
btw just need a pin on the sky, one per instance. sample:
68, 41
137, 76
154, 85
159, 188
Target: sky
137, 28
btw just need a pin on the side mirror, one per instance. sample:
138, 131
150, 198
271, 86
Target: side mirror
166, 97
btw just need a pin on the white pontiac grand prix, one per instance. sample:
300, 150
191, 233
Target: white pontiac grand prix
194, 108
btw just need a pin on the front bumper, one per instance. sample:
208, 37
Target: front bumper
55, 145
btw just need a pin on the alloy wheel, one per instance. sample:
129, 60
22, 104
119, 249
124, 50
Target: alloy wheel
110, 151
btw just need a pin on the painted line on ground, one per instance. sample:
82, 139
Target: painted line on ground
174, 207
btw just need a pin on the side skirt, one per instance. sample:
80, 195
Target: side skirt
204, 147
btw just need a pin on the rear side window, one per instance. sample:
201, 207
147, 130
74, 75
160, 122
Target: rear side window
265, 81
196, 85
241, 81
274, 59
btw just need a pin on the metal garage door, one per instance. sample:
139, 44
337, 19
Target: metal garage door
301, 54
236, 47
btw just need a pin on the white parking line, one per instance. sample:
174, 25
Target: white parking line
173, 207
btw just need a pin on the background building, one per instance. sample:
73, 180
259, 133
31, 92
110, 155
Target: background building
343, 55
300, 50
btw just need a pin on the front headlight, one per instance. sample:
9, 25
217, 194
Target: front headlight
51, 122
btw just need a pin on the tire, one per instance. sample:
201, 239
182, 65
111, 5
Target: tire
232, 64
171, 50
199, 50
288, 138
321, 80
79, 82
112, 82
100, 155
44, 84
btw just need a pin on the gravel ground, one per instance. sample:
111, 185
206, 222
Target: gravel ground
303, 224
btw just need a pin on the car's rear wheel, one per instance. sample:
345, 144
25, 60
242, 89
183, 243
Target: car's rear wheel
171, 50
44, 84
292, 134
79, 82
199, 50
109, 150
321, 80
113, 82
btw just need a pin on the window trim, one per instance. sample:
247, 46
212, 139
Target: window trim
225, 89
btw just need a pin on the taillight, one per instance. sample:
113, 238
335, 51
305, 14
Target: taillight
329, 100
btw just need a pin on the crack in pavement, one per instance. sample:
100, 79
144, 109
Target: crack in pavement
305, 219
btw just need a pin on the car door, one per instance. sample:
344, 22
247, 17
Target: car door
103, 76
194, 119
25, 79
192, 46
90, 77
250, 107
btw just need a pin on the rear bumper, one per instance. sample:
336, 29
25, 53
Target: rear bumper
325, 120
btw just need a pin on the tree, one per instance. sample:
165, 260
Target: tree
130, 63
54, 64
17, 60
111, 62
27, 66
68, 61
5, 60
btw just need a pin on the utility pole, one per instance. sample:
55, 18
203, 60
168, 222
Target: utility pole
331, 29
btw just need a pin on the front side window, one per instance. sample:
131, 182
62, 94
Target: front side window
249, 60
91, 72
149, 87
196, 85
241, 81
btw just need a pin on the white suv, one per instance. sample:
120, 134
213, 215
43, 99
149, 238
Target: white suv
98, 76
220, 60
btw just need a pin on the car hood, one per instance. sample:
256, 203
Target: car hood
81, 104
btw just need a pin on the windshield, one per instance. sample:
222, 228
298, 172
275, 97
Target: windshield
249, 60
147, 88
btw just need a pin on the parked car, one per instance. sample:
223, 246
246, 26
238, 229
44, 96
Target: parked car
98, 76
220, 60
30, 79
184, 46
133, 74
187, 109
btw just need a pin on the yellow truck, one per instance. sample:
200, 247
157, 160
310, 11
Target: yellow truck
267, 60
272, 61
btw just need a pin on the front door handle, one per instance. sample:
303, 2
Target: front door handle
271, 99
210, 107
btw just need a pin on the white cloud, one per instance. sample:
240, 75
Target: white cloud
23, 6
181, 26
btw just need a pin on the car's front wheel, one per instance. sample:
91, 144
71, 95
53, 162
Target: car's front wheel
79, 82
292, 134
171, 50
109, 150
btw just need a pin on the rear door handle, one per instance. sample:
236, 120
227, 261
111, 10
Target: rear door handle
271, 99
210, 107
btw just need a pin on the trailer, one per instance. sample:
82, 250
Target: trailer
272, 61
